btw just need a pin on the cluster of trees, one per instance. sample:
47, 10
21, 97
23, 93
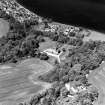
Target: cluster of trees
81, 98
78, 63
65, 74
4, 15
87, 98
61, 38
58, 91
23, 40
46, 98
84, 58
20, 42
89, 55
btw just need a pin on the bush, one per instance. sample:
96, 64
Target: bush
43, 56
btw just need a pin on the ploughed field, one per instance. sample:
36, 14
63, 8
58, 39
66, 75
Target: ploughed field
97, 78
18, 83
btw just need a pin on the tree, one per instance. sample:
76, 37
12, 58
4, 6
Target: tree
21, 103
77, 67
29, 45
35, 99
40, 39
64, 92
43, 56
62, 38
65, 78
72, 34
100, 48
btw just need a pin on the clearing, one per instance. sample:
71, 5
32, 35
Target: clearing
21, 82
4, 27
47, 44
95, 36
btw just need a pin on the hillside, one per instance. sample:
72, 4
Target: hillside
48, 63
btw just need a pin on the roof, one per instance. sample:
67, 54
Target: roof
53, 51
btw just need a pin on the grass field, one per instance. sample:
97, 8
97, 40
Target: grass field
97, 78
47, 44
95, 36
4, 27
21, 81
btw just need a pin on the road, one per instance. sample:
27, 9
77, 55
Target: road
15, 83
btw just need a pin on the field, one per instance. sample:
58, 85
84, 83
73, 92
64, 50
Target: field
18, 83
47, 44
95, 36
97, 78
4, 27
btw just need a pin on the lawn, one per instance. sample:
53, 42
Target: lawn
95, 36
19, 83
47, 44
4, 27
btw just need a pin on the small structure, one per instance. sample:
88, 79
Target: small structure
54, 53
103, 61
81, 88
69, 88
66, 31
74, 90
67, 85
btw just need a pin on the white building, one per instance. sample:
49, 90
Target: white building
74, 90
67, 85
54, 53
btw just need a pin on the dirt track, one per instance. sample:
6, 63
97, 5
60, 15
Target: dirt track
16, 86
